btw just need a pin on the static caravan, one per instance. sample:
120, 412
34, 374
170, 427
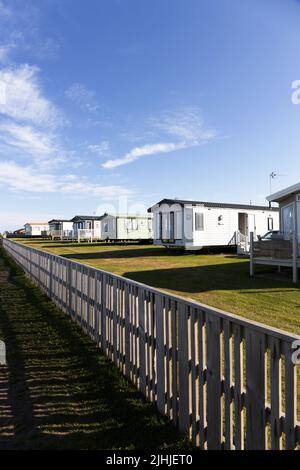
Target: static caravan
36, 229
61, 228
87, 227
196, 224
125, 227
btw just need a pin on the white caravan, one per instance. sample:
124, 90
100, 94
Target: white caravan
36, 229
125, 227
61, 228
196, 224
87, 227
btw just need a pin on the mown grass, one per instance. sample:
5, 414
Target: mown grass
58, 390
219, 280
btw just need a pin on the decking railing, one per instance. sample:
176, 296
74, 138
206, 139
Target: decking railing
87, 234
278, 252
62, 234
228, 382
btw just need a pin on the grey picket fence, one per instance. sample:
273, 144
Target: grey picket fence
226, 381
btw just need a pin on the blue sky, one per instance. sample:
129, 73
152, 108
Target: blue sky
105, 103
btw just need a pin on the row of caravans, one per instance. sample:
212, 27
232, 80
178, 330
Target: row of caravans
191, 225
123, 227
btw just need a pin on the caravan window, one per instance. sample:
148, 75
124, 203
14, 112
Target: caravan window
199, 221
287, 219
131, 224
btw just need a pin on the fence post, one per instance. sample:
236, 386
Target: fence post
142, 371
251, 255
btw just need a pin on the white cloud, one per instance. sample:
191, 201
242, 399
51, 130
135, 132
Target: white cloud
80, 95
27, 179
101, 149
138, 152
17, 177
186, 128
27, 139
24, 98
186, 123
29, 119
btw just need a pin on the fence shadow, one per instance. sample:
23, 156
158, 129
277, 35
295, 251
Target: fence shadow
64, 393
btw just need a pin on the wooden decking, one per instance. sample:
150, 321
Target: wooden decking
281, 253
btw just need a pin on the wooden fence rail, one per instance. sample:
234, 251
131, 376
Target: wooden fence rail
226, 381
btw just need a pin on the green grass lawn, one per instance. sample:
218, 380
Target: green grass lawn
218, 280
58, 391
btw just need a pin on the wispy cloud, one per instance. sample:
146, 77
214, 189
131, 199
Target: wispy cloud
22, 26
28, 119
16, 177
27, 139
102, 148
82, 97
24, 98
186, 123
138, 152
185, 126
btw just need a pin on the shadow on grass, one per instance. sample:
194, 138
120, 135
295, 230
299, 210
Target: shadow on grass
134, 253
64, 393
119, 254
217, 277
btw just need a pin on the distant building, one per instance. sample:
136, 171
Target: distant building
19, 232
35, 229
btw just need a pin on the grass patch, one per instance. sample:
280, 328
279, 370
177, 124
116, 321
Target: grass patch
58, 390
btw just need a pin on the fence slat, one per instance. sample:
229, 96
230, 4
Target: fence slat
238, 388
290, 402
214, 418
160, 353
275, 371
115, 313
256, 390
228, 384
202, 382
183, 363
127, 332
174, 333
142, 342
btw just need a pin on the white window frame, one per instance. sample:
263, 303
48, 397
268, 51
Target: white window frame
201, 229
270, 225
282, 218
